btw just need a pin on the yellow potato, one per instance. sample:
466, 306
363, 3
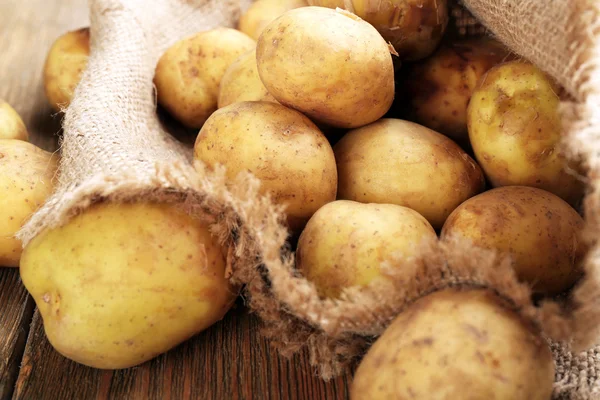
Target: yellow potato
11, 124
26, 180
281, 147
241, 82
413, 27
345, 242
330, 65
439, 88
65, 62
122, 283
189, 73
515, 130
540, 231
456, 345
263, 12
400, 162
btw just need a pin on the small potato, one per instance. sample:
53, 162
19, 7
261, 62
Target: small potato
439, 88
26, 180
65, 62
413, 27
241, 82
328, 64
540, 231
11, 124
122, 283
262, 12
399, 162
456, 345
515, 130
189, 73
281, 147
345, 242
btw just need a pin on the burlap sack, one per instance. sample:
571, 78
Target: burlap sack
115, 149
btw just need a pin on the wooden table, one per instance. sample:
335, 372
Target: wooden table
228, 361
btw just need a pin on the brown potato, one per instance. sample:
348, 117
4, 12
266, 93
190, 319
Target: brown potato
11, 124
400, 162
262, 12
540, 231
456, 344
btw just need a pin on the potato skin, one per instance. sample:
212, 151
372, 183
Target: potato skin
65, 62
189, 73
345, 242
122, 283
413, 27
27, 178
262, 12
11, 124
538, 229
241, 82
515, 131
281, 147
452, 342
330, 65
400, 162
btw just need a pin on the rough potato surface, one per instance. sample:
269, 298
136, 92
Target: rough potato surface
11, 124
262, 12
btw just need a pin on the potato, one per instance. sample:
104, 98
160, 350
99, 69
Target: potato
540, 231
345, 242
11, 124
515, 130
65, 62
263, 12
26, 180
122, 283
439, 88
456, 345
413, 27
189, 73
281, 147
328, 64
400, 162
241, 82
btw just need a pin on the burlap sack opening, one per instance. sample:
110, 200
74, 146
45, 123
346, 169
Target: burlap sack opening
115, 149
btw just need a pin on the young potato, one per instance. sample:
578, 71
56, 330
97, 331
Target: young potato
122, 283
26, 179
345, 242
262, 12
413, 27
400, 162
456, 344
11, 124
65, 62
241, 82
328, 64
540, 231
189, 73
515, 130
439, 88
281, 147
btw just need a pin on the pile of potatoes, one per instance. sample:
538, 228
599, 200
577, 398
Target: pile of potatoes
377, 131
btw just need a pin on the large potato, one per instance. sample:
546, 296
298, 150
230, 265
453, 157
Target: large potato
65, 62
281, 147
540, 231
122, 283
262, 12
345, 242
11, 124
241, 82
456, 345
413, 27
400, 162
328, 64
27, 178
189, 73
515, 130
439, 88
